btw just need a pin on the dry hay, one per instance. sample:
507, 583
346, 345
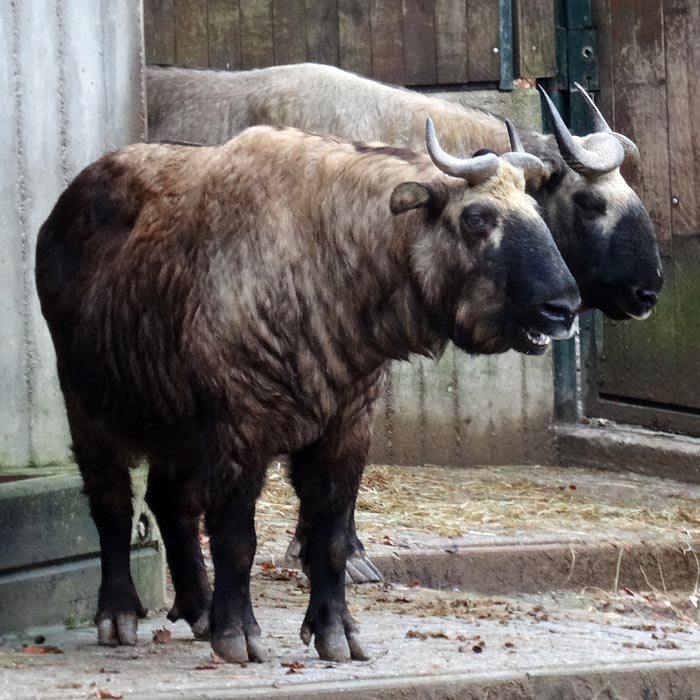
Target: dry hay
449, 502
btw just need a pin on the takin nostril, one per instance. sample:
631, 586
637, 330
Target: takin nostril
557, 312
646, 297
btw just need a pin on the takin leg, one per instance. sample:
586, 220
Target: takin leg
104, 466
326, 476
176, 504
358, 568
230, 518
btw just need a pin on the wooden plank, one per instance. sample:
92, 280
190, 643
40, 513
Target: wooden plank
533, 38
483, 41
354, 36
256, 34
419, 42
638, 42
451, 41
289, 18
681, 28
322, 31
159, 31
602, 20
191, 47
223, 18
386, 24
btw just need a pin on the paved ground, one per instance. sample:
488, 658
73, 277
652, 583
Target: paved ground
610, 610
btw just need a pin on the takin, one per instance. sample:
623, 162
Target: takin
212, 308
599, 224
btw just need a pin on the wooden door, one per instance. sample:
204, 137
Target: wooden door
649, 373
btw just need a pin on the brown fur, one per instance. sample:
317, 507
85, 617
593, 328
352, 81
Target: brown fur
212, 308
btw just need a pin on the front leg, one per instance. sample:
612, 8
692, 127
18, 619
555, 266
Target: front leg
326, 477
235, 634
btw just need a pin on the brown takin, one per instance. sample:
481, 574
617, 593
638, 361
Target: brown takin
599, 224
212, 308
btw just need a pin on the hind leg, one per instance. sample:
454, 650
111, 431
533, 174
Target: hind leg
359, 568
175, 501
104, 466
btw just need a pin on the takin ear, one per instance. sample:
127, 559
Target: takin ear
415, 195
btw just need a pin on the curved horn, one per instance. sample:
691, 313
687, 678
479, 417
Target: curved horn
629, 146
601, 153
531, 165
516, 145
474, 170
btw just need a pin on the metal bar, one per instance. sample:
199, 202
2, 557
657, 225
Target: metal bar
505, 33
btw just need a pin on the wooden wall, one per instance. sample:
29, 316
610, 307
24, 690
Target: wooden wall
407, 42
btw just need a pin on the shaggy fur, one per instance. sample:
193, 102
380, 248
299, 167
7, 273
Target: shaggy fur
212, 308
611, 251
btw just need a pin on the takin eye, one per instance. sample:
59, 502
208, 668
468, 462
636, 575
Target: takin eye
478, 220
591, 204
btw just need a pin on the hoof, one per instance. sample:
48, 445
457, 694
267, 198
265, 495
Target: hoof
239, 650
200, 629
359, 569
119, 629
336, 644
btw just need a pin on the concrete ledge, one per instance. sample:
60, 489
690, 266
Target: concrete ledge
535, 568
628, 448
49, 558
660, 681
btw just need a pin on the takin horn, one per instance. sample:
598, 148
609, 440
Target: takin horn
474, 170
595, 154
531, 165
629, 146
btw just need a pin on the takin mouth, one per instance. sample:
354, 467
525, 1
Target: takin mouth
531, 342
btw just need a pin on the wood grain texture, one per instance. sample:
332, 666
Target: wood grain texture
419, 49
451, 36
159, 31
533, 38
322, 31
482, 32
682, 50
289, 18
355, 36
256, 34
224, 23
386, 25
191, 41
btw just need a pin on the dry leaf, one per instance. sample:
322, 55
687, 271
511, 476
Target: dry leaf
204, 667
162, 636
40, 649
105, 694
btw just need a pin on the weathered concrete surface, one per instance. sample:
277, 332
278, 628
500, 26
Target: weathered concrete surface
629, 448
70, 89
461, 410
49, 558
422, 645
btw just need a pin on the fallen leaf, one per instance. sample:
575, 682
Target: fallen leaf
68, 685
162, 636
572, 487
267, 565
427, 634
105, 694
205, 667
40, 649
296, 665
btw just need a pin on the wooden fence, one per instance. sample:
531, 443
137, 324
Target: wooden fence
406, 42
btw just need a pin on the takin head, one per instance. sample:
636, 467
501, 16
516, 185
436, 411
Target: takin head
484, 262
600, 225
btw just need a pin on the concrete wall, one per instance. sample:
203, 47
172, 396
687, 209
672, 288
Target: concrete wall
70, 89
465, 410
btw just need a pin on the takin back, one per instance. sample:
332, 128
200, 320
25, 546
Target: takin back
599, 224
212, 308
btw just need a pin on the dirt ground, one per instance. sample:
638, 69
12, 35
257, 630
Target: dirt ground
409, 630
